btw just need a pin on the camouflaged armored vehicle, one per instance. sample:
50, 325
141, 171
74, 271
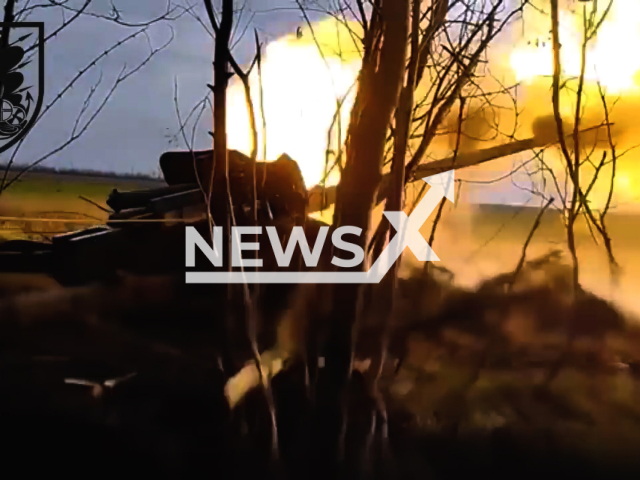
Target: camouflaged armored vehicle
145, 233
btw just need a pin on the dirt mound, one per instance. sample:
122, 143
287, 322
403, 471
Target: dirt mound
472, 380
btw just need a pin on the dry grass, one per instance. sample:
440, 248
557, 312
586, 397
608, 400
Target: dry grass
583, 406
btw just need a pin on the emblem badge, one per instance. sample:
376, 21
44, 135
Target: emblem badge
21, 79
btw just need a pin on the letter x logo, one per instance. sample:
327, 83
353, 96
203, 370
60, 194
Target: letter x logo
408, 226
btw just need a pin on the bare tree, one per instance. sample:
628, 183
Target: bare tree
448, 42
592, 20
70, 14
577, 155
223, 59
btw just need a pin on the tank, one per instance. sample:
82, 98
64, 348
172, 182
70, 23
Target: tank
145, 234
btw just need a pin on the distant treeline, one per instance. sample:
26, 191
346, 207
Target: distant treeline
499, 208
531, 210
84, 173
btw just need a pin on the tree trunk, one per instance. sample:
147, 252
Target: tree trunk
219, 170
378, 89
395, 202
221, 82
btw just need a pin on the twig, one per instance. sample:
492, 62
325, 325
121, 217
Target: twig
262, 110
432, 235
523, 255
106, 210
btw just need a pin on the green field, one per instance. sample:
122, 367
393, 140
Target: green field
71, 185
37, 203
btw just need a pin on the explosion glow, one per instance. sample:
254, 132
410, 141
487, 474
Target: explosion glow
300, 90
608, 56
301, 87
